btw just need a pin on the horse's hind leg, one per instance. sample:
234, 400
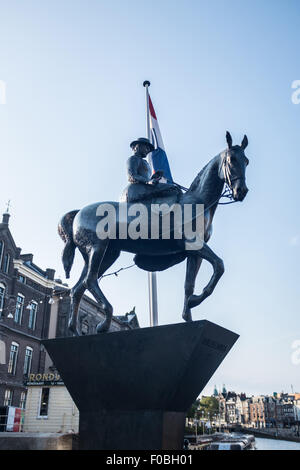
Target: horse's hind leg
218, 267
100, 260
76, 294
192, 268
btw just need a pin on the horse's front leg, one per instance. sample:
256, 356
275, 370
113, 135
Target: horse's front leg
76, 294
192, 267
218, 267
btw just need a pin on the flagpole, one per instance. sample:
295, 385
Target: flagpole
152, 284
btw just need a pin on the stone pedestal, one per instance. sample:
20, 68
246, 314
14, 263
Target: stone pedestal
133, 388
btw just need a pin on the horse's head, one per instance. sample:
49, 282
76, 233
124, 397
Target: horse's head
233, 167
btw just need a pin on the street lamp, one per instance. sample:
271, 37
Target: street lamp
202, 421
196, 427
208, 424
215, 421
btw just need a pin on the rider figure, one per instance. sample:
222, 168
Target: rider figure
141, 184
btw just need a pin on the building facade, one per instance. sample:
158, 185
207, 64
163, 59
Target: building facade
263, 411
35, 306
257, 412
25, 292
49, 406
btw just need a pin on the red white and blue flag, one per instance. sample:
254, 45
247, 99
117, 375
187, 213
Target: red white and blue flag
158, 158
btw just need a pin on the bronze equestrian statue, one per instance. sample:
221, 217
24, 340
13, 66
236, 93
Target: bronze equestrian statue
78, 229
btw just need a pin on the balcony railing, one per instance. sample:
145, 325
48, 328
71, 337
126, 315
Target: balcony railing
11, 419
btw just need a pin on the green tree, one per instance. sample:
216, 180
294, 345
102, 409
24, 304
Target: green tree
208, 406
192, 412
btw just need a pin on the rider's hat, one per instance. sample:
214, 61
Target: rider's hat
142, 140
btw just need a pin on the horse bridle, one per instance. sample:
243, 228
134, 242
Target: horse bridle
224, 165
228, 191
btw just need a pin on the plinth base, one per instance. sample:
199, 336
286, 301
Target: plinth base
133, 388
131, 430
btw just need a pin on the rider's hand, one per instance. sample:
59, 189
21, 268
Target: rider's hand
158, 174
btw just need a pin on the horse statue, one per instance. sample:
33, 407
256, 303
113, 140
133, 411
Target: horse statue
80, 229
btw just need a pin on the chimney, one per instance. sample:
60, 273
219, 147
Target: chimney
50, 273
5, 218
27, 257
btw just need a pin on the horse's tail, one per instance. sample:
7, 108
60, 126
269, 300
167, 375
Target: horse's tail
65, 230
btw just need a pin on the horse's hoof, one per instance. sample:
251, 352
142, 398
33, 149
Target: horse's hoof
187, 316
75, 332
102, 327
73, 329
193, 301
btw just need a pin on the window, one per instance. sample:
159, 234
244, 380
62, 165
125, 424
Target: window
2, 295
19, 308
85, 327
8, 397
23, 400
32, 314
13, 358
6, 263
44, 404
28, 360
2, 352
1, 251
22, 279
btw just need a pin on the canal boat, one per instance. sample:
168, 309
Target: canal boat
233, 441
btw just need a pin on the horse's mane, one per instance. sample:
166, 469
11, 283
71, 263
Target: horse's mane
196, 181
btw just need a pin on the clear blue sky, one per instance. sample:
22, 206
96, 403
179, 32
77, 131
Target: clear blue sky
74, 73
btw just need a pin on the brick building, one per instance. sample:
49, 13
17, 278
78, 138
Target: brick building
263, 411
25, 291
34, 306
49, 406
257, 412
242, 409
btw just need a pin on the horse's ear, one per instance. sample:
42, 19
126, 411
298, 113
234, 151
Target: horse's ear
245, 142
229, 139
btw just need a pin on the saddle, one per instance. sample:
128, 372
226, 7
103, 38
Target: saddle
145, 194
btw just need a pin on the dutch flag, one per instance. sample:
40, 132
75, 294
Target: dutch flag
158, 158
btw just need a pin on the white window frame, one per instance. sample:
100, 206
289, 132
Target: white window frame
1, 252
86, 323
7, 398
40, 404
23, 277
23, 400
14, 365
22, 304
6, 268
28, 348
33, 302
2, 352
2, 297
